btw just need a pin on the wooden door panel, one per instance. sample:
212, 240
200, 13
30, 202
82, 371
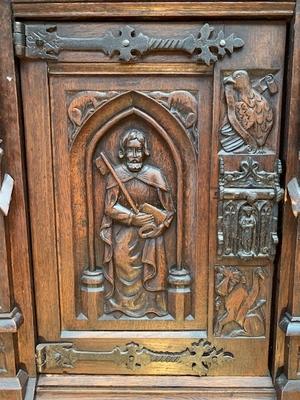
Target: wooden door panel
115, 300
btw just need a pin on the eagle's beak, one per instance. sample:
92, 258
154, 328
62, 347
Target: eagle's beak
228, 79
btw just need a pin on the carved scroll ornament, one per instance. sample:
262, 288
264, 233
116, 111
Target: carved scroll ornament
247, 211
239, 301
199, 358
43, 41
250, 116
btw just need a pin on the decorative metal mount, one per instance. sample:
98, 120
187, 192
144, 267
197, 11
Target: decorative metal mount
43, 41
198, 358
247, 210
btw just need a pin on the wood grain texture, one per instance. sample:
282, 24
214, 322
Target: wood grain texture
37, 126
17, 223
287, 288
167, 388
178, 10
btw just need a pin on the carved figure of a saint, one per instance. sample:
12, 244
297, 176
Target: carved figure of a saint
135, 264
248, 231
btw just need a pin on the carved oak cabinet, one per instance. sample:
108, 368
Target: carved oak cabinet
149, 200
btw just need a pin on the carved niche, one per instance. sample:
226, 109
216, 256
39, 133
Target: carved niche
247, 210
134, 215
240, 301
249, 116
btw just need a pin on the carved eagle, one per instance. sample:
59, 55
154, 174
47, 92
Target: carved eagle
249, 114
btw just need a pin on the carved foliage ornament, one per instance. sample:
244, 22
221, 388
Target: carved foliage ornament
239, 301
198, 358
247, 210
43, 41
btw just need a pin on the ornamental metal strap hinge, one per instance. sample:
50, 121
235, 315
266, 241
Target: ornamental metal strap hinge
198, 358
44, 41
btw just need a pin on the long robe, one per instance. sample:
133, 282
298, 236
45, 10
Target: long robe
135, 268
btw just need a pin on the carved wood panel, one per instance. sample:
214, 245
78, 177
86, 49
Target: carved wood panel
162, 193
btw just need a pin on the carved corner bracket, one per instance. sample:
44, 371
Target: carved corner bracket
43, 41
198, 358
247, 210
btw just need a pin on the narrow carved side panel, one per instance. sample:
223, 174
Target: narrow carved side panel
247, 211
249, 112
240, 301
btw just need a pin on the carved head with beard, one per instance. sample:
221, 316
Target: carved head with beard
134, 148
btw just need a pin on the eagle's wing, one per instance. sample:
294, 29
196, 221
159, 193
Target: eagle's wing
256, 116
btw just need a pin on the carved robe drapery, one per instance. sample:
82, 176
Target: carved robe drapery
135, 268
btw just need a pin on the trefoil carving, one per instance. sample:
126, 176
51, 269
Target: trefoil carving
198, 358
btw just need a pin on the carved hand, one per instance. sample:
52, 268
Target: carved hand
141, 219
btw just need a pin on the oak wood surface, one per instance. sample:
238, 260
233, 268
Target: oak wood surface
17, 220
178, 10
38, 148
118, 387
94, 68
287, 292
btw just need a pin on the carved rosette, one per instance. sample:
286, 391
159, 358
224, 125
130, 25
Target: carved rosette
198, 358
240, 301
247, 210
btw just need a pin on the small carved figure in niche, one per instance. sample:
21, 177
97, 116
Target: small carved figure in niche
247, 225
249, 114
238, 305
135, 264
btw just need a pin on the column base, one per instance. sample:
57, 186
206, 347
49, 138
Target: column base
179, 293
92, 294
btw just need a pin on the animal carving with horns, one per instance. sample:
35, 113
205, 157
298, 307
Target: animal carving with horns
250, 116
